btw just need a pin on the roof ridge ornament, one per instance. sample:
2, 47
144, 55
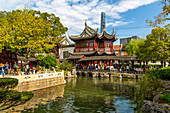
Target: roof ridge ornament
113, 31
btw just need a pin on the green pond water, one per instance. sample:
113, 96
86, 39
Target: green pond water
85, 95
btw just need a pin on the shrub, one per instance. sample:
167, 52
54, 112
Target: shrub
58, 70
166, 97
9, 98
67, 66
162, 73
49, 61
40, 57
149, 87
8, 82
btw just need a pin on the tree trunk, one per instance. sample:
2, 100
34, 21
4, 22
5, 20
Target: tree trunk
164, 63
26, 60
161, 63
143, 66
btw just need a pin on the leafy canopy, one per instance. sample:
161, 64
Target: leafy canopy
163, 16
156, 45
29, 31
134, 45
49, 61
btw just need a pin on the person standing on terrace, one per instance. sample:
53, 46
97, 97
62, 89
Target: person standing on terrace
6, 68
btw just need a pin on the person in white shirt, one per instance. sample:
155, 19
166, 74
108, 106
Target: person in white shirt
27, 68
127, 68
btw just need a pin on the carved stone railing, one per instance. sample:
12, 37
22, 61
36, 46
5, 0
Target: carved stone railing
41, 75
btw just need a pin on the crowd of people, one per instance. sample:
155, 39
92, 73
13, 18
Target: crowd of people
8, 68
121, 68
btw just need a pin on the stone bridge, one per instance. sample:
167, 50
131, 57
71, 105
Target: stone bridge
109, 73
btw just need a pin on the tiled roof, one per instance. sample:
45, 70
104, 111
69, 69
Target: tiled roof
117, 47
89, 33
75, 57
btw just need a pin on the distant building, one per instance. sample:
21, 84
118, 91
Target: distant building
117, 49
124, 42
102, 22
65, 48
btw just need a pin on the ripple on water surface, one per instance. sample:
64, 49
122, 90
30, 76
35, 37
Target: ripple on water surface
84, 95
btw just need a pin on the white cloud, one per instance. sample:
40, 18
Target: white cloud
118, 23
74, 12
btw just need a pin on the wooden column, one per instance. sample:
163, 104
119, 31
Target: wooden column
132, 65
118, 65
30, 65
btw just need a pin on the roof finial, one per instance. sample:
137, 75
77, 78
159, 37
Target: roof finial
113, 31
85, 22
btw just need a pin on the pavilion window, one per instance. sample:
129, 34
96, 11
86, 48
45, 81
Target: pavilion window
84, 45
101, 45
66, 54
78, 45
91, 44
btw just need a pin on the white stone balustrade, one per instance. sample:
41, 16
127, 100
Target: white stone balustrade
33, 77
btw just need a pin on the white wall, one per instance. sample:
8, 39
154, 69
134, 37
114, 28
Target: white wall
61, 50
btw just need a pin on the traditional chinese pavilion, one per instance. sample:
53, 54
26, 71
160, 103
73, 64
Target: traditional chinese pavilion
90, 45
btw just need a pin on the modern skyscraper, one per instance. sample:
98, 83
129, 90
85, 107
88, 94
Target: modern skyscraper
102, 21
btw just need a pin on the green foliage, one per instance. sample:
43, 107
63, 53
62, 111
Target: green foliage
166, 97
25, 96
9, 98
40, 57
58, 70
156, 46
148, 88
8, 82
29, 31
151, 86
163, 73
163, 16
49, 61
133, 46
67, 66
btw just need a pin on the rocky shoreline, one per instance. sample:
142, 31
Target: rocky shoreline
157, 105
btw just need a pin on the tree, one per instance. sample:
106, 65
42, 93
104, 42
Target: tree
66, 66
132, 47
163, 16
156, 46
29, 31
49, 61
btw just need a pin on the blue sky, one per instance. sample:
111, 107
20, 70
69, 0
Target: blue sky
127, 17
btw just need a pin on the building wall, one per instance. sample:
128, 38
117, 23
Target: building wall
92, 45
124, 41
61, 50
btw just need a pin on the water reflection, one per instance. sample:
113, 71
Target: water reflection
85, 95
41, 97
